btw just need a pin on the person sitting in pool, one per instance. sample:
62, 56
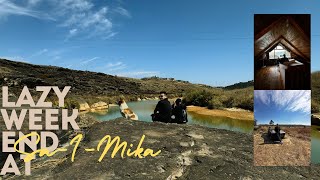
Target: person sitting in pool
179, 112
163, 111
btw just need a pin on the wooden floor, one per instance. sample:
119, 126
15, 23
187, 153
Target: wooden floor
268, 78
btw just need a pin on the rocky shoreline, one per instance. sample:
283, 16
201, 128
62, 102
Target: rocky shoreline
187, 152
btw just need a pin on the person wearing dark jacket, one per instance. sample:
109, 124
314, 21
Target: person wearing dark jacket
179, 112
163, 110
277, 129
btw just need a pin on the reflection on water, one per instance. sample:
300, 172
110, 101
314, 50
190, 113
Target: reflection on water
145, 108
315, 144
221, 122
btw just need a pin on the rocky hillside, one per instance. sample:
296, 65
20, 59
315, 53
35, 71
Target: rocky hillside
188, 152
87, 84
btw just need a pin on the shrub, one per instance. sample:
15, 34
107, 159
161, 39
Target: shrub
247, 103
314, 107
228, 102
218, 98
215, 103
198, 98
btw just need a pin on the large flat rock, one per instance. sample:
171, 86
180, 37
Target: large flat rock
188, 152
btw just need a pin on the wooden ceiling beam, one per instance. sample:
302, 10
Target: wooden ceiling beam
273, 44
296, 49
298, 27
292, 48
260, 37
268, 28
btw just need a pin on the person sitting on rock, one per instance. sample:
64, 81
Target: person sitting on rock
277, 129
179, 112
163, 111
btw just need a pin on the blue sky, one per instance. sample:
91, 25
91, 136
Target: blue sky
282, 106
206, 41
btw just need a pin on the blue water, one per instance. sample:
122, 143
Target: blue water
145, 108
315, 145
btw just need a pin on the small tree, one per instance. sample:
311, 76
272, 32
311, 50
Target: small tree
271, 122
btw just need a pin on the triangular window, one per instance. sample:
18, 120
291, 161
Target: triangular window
279, 52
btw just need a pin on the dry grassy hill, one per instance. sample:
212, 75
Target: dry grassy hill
92, 86
88, 85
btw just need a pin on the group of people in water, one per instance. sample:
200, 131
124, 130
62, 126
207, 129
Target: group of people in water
167, 113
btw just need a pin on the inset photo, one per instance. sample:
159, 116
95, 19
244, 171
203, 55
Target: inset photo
315, 118
282, 52
282, 127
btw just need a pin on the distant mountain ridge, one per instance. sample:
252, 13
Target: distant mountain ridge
240, 85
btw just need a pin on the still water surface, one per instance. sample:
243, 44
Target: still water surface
315, 144
145, 108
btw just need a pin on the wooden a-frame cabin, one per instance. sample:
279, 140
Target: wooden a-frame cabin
282, 52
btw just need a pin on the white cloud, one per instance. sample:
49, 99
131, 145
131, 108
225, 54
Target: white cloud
39, 53
122, 11
121, 69
110, 35
109, 65
113, 67
72, 19
76, 5
88, 61
97, 19
72, 32
88, 20
8, 8
289, 100
263, 96
52, 54
15, 58
58, 52
80, 18
33, 2
138, 74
